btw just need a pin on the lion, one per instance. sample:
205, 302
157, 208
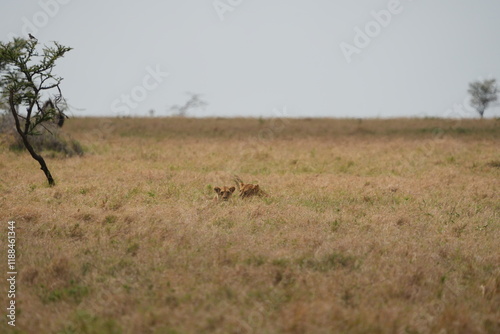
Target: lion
248, 190
224, 193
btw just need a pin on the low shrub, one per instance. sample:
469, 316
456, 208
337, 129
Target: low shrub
50, 139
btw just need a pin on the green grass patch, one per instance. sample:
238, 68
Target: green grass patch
255, 260
74, 292
320, 204
224, 223
84, 322
329, 262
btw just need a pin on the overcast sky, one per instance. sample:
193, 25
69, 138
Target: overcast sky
271, 58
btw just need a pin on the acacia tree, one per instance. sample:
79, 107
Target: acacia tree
195, 101
482, 94
25, 78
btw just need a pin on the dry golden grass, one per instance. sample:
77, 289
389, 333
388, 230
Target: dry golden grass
381, 226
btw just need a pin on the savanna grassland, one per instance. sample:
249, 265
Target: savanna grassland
371, 226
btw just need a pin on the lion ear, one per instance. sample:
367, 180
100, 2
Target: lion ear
217, 190
232, 189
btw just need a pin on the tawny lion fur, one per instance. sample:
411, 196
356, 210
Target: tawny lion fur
223, 193
248, 190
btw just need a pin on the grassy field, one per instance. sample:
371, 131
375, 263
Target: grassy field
371, 226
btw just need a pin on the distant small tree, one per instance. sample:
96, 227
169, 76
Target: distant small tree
194, 102
26, 75
482, 94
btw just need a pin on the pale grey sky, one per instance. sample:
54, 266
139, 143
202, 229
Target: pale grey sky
297, 58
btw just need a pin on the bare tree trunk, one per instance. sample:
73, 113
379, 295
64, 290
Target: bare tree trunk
34, 155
